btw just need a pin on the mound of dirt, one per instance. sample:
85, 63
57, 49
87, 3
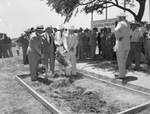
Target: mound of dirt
80, 100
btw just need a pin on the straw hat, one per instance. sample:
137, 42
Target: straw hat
62, 26
71, 28
40, 27
135, 23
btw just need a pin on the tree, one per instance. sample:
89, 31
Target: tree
68, 7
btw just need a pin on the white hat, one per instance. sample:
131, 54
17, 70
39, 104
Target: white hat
71, 28
134, 22
62, 26
122, 15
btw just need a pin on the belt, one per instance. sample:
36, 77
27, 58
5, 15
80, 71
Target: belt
135, 42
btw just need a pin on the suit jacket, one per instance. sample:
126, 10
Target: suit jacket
122, 34
72, 42
93, 38
34, 44
81, 37
48, 43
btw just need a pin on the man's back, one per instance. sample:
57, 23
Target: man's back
122, 33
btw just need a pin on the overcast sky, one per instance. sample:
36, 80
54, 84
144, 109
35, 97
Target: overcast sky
18, 15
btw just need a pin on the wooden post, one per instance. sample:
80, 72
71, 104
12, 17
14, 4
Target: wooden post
106, 11
91, 16
124, 5
149, 11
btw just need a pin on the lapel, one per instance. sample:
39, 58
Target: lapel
71, 41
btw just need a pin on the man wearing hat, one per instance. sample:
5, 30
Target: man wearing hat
81, 37
136, 45
49, 49
24, 40
122, 47
72, 43
61, 44
34, 51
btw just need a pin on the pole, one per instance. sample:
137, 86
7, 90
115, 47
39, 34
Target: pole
106, 10
124, 5
149, 10
91, 16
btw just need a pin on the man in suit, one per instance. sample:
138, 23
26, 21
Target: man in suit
23, 39
3, 46
72, 43
81, 37
49, 49
34, 51
9, 47
122, 47
136, 46
93, 43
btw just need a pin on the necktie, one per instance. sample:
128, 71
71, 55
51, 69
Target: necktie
47, 37
50, 38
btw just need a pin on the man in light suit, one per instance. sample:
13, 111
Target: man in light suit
122, 47
72, 43
49, 49
61, 44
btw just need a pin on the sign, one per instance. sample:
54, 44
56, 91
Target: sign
109, 23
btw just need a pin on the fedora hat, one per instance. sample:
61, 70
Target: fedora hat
135, 23
121, 15
62, 26
41, 27
71, 28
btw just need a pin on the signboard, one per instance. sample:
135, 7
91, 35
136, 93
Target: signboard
109, 23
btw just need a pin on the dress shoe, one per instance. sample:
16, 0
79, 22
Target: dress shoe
119, 77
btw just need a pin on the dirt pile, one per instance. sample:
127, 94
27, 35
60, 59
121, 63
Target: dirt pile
88, 102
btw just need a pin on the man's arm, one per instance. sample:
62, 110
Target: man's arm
65, 43
118, 32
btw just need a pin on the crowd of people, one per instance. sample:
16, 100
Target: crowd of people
5, 46
125, 44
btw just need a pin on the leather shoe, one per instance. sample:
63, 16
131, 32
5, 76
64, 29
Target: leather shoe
119, 77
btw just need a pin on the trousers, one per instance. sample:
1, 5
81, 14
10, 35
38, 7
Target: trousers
147, 50
121, 60
52, 60
33, 64
135, 52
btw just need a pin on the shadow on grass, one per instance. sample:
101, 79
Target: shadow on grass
128, 79
39, 79
23, 76
103, 64
112, 65
78, 76
44, 81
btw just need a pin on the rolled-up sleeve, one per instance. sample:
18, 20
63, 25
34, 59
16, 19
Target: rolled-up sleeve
65, 43
76, 42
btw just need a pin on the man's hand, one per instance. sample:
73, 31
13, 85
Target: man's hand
120, 38
72, 49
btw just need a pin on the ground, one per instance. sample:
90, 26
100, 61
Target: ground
14, 99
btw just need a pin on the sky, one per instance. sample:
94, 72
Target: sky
18, 15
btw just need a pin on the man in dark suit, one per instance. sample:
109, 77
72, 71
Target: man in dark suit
3, 45
49, 49
9, 47
34, 52
23, 40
